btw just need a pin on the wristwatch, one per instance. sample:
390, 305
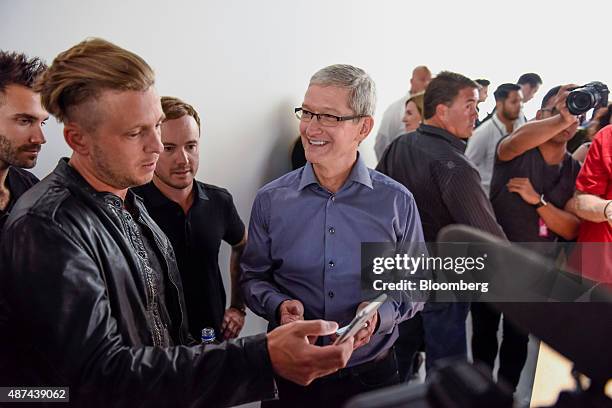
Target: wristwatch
542, 202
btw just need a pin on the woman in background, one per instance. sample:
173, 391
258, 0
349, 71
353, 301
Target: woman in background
413, 113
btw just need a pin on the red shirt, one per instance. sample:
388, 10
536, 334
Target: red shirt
595, 178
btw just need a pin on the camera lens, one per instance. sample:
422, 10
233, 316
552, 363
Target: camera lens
580, 101
592, 95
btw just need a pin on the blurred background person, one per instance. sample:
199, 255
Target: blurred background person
481, 148
483, 94
580, 143
391, 124
413, 114
530, 84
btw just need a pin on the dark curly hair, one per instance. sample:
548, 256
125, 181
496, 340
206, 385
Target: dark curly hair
17, 68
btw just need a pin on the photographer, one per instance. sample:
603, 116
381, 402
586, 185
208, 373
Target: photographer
533, 179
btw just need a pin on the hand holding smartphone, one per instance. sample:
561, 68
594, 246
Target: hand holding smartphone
350, 330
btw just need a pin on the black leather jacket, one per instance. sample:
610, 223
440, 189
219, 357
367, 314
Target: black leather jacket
77, 309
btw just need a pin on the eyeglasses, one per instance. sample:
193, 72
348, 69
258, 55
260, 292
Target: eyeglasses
324, 119
553, 111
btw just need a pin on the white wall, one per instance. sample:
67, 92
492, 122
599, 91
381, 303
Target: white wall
245, 64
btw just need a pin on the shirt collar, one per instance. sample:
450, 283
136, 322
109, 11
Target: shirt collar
499, 124
454, 141
359, 174
200, 193
157, 199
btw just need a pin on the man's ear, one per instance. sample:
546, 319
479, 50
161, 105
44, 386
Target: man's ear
366, 127
442, 112
77, 138
539, 114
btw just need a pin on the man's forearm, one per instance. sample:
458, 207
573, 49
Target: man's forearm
561, 222
591, 207
235, 273
529, 136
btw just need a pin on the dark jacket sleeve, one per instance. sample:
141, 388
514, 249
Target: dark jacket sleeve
60, 308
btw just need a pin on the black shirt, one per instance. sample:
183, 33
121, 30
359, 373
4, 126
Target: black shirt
196, 239
431, 163
18, 181
519, 219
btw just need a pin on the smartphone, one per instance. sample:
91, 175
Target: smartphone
348, 331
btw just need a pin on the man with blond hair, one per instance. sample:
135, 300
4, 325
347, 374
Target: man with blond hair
196, 217
94, 298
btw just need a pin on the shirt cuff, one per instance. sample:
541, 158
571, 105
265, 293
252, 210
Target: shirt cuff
385, 315
272, 305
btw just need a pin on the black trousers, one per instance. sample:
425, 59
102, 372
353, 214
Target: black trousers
411, 340
335, 389
440, 327
513, 350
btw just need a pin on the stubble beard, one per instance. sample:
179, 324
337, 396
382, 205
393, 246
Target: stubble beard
109, 174
10, 155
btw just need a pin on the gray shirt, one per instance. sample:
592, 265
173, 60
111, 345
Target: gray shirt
391, 125
481, 148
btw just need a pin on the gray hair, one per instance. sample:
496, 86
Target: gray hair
362, 96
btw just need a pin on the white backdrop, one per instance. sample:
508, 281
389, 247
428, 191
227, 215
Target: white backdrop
245, 64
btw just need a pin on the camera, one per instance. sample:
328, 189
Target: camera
589, 96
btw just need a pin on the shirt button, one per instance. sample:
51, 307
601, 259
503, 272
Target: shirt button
333, 198
330, 293
331, 264
332, 230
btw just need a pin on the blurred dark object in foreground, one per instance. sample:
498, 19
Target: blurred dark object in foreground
579, 331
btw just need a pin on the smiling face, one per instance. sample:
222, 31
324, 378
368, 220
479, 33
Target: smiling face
21, 120
123, 149
178, 163
330, 147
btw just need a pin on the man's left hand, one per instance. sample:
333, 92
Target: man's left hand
364, 335
233, 321
522, 186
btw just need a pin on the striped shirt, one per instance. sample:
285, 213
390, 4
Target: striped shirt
447, 189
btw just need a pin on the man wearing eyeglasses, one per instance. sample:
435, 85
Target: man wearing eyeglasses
302, 260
